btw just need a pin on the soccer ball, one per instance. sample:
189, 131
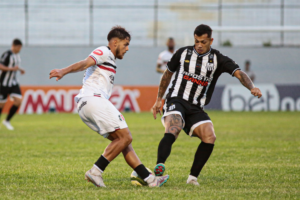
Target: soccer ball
136, 180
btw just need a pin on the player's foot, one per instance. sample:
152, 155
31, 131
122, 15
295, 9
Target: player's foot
192, 180
159, 169
157, 181
95, 176
8, 125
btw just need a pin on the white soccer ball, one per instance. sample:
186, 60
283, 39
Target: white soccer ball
136, 180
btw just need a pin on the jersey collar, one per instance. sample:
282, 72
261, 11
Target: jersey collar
202, 54
110, 50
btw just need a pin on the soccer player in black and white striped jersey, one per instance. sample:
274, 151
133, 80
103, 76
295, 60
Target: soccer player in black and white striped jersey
197, 69
9, 65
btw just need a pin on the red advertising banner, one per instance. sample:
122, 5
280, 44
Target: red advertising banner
42, 99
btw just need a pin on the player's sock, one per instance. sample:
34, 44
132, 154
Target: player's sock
0, 111
164, 147
102, 163
142, 171
11, 113
202, 154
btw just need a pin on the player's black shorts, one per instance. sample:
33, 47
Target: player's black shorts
13, 91
192, 115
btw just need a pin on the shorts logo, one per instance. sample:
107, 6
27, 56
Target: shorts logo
98, 52
121, 118
112, 79
172, 107
82, 104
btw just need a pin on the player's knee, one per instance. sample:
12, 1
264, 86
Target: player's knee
17, 102
127, 140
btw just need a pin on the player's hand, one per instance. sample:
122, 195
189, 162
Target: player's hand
156, 108
15, 68
58, 73
256, 92
22, 71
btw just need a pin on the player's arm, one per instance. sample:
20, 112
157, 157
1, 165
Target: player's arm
158, 68
246, 81
164, 82
6, 69
76, 67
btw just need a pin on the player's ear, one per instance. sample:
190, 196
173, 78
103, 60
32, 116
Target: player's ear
211, 40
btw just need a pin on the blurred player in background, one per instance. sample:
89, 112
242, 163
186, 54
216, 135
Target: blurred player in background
163, 59
9, 65
98, 113
249, 72
197, 69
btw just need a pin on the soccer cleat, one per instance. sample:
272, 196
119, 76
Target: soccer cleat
157, 181
159, 169
8, 125
95, 176
192, 180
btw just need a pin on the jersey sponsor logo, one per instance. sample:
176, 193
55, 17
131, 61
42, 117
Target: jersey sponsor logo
196, 76
81, 105
186, 61
98, 52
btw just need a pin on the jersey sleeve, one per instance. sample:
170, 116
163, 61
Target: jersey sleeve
5, 59
228, 65
159, 59
174, 63
99, 55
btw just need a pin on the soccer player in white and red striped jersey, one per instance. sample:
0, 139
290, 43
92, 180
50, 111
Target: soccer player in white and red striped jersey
98, 113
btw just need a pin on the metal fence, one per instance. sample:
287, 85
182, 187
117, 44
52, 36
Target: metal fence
87, 22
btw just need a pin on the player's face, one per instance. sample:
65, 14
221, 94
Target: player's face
202, 43
171, 44
122, 48
16, 48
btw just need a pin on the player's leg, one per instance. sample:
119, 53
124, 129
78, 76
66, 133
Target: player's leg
134, 162
173, 125
205, 132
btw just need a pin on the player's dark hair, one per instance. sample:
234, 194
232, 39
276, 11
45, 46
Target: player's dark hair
247, 62
203, 29
17, 42
170, 38
118, 32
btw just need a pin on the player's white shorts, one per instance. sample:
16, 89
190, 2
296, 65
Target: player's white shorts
100, 115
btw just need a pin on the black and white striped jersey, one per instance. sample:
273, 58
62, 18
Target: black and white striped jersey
196, 75
9, 59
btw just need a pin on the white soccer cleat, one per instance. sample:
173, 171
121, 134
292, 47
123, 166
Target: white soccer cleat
8, 125
157, 181
95, 176
192, 180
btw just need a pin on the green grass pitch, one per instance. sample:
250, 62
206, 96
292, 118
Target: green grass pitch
256, 156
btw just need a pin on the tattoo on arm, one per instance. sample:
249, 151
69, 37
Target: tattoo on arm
245, 80
164, 82
174, 124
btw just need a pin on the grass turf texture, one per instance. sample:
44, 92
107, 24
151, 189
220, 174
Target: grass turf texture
256, 156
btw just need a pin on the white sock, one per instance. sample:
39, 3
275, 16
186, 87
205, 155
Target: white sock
149, 179
98, 168
191, 178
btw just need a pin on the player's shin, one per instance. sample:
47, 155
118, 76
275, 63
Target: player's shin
12, 112
202, 155
164, 147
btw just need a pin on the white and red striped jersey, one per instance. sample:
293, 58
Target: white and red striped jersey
99, 79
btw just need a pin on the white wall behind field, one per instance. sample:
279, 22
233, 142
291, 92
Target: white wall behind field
86, 22
271, 65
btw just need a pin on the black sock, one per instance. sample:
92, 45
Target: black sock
202, 154
164, 147
142, 171
11, 113
102, 163
0, 111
